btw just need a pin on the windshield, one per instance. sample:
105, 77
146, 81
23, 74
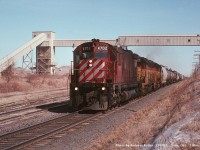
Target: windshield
86, 55
101, 55
77, 58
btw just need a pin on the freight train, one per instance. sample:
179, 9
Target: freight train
103, 76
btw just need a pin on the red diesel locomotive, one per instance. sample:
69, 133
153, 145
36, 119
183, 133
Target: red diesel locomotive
103, 76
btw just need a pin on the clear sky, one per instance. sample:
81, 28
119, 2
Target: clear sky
103, 19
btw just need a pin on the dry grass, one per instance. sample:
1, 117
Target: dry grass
32, 82
146, 124
193, 126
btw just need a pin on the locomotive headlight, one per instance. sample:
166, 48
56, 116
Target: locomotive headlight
90, 65
103, 88
76, 88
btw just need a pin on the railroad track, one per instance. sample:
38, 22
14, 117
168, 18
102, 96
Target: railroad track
35, 92
38, 134
32, 101
5, 116
23, 137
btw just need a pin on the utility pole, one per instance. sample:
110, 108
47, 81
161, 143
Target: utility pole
197, 64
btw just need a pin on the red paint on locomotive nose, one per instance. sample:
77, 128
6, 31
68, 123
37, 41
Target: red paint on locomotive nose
89, 74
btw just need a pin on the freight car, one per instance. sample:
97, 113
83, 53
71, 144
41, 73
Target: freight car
103, 76
164, 76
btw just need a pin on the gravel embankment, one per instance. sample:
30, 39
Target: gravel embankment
26, 121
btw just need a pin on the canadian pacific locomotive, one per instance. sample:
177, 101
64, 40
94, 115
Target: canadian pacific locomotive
103, 76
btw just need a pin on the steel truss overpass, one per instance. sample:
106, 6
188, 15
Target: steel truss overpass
45, 44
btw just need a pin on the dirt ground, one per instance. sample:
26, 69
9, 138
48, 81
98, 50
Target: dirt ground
171, 123
21, 80
17, 87
33, 83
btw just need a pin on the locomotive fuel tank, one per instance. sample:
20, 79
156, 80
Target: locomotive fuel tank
126, 95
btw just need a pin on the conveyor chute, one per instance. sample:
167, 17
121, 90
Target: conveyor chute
18, 53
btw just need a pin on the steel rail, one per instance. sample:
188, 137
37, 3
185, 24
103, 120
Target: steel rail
34, 92
53, 132
31, 101
18, 139
36, 111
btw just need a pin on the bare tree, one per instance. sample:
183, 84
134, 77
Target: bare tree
8, 73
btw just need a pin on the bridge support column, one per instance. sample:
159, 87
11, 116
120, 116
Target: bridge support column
45, 55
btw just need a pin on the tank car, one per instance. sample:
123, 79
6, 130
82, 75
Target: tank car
171, 76
164, 75
102, 76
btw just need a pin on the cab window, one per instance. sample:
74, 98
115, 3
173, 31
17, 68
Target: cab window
112, 56
101, 55
77, 58
85, 55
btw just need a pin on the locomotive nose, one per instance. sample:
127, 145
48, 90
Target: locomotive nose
91, 70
